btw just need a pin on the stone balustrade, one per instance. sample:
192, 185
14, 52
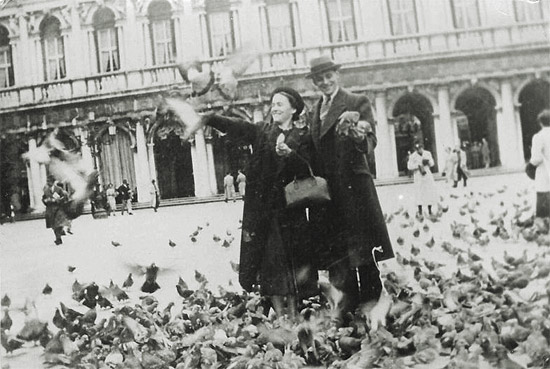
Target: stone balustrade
287, 61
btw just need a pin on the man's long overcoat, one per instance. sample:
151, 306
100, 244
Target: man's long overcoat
353, 223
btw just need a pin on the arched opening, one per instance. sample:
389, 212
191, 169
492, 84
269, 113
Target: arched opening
173, 161
477, 127
162, 32
6, 62
534, 98
414, 122
14, 188
116, 157
106, 41
53, 49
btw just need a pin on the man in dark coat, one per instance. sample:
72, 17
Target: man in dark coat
126, 196
350, 232
55, 199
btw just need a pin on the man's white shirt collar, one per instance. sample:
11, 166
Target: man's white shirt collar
332, 96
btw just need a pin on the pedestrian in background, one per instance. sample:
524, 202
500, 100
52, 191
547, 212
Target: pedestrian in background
420, 162
449, 164
55, 198
540, 157
229, 187
110, 193
241, 183
125, 193
460, 168
155, 197
69, 191
485, 153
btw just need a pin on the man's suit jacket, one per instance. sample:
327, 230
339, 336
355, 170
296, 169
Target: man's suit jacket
342, 102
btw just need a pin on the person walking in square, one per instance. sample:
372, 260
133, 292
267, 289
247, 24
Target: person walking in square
110, 193
125, 193
229, 187
420, 162
350, 230
460, 169
155, 195
55, 199
241, 183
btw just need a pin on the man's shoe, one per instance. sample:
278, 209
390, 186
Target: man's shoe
58, 242
131, 213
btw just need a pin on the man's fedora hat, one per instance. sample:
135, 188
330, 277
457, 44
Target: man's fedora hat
320, 65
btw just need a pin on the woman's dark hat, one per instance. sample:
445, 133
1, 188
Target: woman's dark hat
294, 97
320, 65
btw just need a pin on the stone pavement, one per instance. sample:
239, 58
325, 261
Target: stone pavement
30, 259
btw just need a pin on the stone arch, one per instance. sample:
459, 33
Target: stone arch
533, 97
432, 99
477, 125
103, 17
526, 82
413, 121
118, 126
91, 14
494, 93
143, 8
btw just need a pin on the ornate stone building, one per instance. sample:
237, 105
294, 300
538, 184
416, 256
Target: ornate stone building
439, 71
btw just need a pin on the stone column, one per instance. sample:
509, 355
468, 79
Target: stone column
200, 165
24, 67
36, 179
519, 131
386, 157
514, 153
30, 186
142, 166
211, 168
132, 38
152, 163
444, 132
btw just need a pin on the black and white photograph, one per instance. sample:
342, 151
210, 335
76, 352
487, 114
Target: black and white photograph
275, 184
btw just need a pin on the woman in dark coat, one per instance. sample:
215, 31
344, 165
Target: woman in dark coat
55, 199
275, 242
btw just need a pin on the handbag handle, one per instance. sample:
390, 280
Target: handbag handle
307, 163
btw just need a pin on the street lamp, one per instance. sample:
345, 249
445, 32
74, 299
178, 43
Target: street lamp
112, 128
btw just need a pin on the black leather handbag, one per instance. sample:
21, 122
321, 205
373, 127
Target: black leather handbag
306, 192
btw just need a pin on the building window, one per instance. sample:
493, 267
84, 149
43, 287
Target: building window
106, 39
280, 26
341, 22
222, 39
6, 64
53, 49
403, 19
528, 11
465, 13
162, 33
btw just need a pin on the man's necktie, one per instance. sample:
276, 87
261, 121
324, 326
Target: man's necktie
325, 106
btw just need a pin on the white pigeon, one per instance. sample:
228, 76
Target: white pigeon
187, 114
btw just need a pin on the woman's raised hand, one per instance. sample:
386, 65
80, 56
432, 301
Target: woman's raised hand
187, 114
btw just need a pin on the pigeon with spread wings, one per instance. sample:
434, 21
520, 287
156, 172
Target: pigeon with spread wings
66, 166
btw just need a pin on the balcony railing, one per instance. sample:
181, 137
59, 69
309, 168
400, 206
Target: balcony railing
292, 60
